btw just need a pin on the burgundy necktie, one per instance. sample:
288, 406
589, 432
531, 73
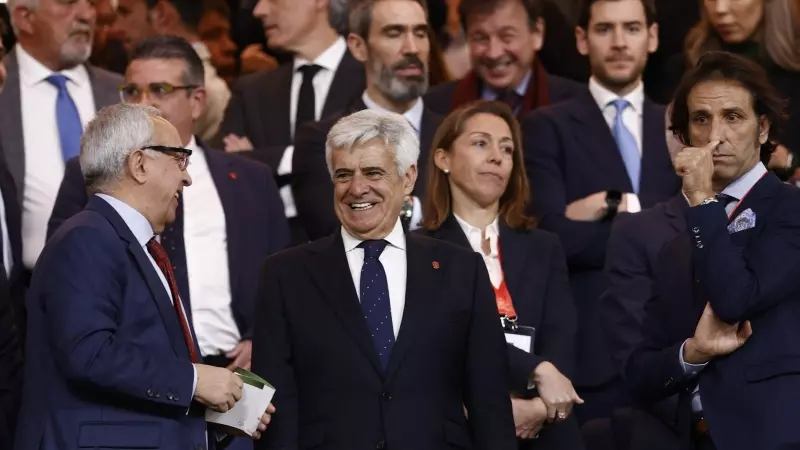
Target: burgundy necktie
162, 260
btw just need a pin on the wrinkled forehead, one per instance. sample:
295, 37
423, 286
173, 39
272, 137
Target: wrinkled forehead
718, 96
370, 154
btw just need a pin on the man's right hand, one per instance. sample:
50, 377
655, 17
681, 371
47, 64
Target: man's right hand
713, 338
217, 388
592, 208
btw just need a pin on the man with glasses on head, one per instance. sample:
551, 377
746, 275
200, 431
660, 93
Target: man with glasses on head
225, 226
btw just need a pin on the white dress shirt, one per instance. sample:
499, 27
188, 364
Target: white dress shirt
631, 118
44, 161
395, 264
206, 245
217, 96
329, 61
414, 117
8, 259
492, 260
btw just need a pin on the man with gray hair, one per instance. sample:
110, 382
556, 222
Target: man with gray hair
392, 39
114, 361
50, 94
374, 337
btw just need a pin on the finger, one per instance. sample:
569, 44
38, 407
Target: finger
576, 399
256, 435
551, 412
712, 145
265, 420
234, 353
271, 408
247, 365
237, 395
232, 366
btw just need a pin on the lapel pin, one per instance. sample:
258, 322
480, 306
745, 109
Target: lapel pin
435, 264
232, 175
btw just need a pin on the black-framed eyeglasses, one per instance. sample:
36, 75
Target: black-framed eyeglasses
131, 93
179, 153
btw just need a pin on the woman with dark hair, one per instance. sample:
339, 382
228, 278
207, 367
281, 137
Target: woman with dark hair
477, 197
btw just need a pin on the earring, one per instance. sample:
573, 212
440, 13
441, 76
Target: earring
447, 171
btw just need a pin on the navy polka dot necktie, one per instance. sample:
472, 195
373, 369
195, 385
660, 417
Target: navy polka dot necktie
375, 300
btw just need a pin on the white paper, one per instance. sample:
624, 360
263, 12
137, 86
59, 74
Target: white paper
247, 412
521, 341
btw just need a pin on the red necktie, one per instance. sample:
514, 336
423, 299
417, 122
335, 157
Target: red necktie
162, 260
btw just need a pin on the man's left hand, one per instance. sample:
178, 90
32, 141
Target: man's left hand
241, 355
696, 166
265, 420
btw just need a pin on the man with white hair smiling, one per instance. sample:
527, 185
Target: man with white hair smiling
375, 338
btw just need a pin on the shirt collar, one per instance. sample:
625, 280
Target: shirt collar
198, 158
32, 72
741, 186
491, 230
413, 115
201, 50
329, 59
396, 238
603, 96
136, 222
488, 93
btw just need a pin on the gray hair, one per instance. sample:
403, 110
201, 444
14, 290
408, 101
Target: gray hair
338, 16
109, 139
393, 130
11, 4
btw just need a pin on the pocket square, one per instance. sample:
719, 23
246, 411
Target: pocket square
744, 221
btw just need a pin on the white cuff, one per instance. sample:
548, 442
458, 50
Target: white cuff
634, 205
194, 387
416, 215
689, 369
285, 166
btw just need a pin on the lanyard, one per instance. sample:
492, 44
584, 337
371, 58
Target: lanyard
504, 304
739, 203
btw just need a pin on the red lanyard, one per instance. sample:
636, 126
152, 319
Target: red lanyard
738, 203
504, 304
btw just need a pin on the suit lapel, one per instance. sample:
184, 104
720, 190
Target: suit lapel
764, 189
346, 85
330, 272
11, 123
674, 210
514, 252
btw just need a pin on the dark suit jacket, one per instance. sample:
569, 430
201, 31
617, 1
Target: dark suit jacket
107, 365
313, 345
311, 181
535, 272
260, 105
10, 365
254, 219
744, 276
105, 87
442, 99
565, 165
15, 283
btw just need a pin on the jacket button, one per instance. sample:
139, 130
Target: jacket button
380, 445
169, 395
149, 392
386, 396
176, 398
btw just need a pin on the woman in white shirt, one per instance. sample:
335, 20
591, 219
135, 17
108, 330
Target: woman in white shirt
477, 197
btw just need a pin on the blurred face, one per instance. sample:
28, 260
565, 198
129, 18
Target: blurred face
723, 110
480, 160
105, 18
735, 20
160, 83
164, 177
133, 24
396, 50
503, 46
287, 23
368, 191
60, 30
617, 42
215, 31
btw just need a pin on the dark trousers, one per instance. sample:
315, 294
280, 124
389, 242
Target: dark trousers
217, 360
704, 442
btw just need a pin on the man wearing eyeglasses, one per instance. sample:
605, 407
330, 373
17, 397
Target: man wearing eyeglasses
227, 223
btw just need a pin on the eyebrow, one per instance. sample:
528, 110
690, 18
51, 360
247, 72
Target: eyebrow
728, 110
403, 28
489, 136
611, 24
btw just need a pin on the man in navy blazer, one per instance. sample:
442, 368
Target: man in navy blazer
113, 361
226, 225
594, 155
723, 329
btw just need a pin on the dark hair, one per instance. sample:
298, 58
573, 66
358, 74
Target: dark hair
360, 15
191, 11
471, 8
173, 47
586, 12
725, 66
218, 6
514, 201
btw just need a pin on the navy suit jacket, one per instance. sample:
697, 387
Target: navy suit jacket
747, 275
571, 154
535, 272
254, 219
313, 345
107, 365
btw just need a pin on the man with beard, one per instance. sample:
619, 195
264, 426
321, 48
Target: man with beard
595, 155
391, 38
50, 94
503, 37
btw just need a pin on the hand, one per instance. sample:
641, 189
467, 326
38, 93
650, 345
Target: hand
555, 390
713, 337
217, 388
254, 60
696, 167
241, 355
780, 158
589, 209
265, 420
529, 416
234, 143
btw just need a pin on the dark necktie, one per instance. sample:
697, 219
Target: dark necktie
162, 261
726, 200
172, 241
67, 117
512, 99
306, 102
375, 300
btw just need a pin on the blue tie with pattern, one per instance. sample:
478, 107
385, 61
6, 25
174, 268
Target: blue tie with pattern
626, 144
69, 121
375, 300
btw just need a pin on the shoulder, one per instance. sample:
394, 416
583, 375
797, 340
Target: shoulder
544, 241
556, 112
442, 248
105, 76
563, 88
789, 201
244, 166
257, 80
87, 232
443, 90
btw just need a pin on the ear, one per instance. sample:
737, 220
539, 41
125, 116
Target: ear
442, 159
22, 18
358, 47
198, 101
409, 180
538, 34
652, 39
581, 42
162, 16
763, 129
136, 165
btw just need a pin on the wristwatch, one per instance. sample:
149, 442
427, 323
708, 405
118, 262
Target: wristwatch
613, 199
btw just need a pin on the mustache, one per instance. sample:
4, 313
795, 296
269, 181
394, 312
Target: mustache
80, 28
409, 62
617, 57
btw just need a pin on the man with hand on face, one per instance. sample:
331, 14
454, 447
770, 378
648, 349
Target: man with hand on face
391, 38
374, 337
723, 331
113, 360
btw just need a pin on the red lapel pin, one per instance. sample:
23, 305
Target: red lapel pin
232, 175
435, 264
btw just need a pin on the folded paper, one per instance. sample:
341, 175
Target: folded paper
246, 414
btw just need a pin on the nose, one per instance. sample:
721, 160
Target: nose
721, 6
495, 50
228, 46
146, 100
618, 38
495, 155
358, 186
261, 10
410, 46
187, 179
717, 131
